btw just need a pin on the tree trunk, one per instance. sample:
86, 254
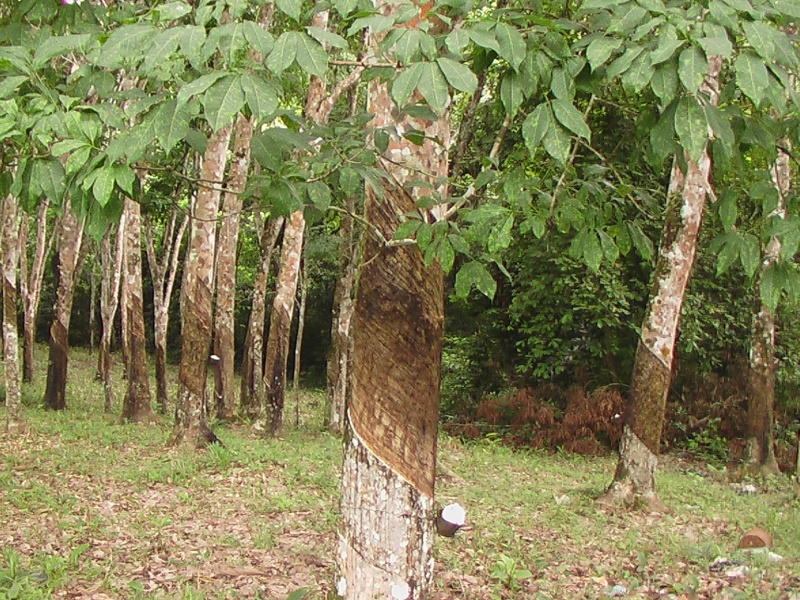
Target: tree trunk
197, 310
137, 405
385, 547
226, 266
761, 372
10, 249
31, 284
634, 479
163, 273
298, 342
252, 393
281, 321
340, 352
111, 274
68, 257
92, 308
123, 314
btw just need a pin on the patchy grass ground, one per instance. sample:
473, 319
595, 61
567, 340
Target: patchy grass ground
93, 509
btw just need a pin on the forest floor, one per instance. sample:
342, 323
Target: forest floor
90, 508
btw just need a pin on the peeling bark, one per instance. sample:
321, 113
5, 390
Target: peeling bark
252, 392
163, 272
761, 374
137, 405
111, 274
385, 544
298, 342
68, 259
226, 266
31, 283
197, 306
15, 424
634, 479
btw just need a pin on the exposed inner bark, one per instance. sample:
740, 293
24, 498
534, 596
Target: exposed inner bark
10, 247
31, 283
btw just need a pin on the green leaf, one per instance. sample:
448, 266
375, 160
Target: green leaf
50, 177
692, 127
642, 243
562, 84
639, 75
751, 76
311, 56
592, 251
103, 185
571, 118
457, 41
290, 7
692, 68
323, 36
610, 250
162, 48
729, 251
58, 45
433, 86
536, 126
665, 82
760, 36
600, 50
721, 125
172, 123
770, 287
9, 85
406, 82
716, 46
750, 254
259, 95
65, 146
445, 254
666, 48
557, 143
78, 159
511, 92
222, 101
475, 274
192, 38
484, 39
500, 236
125, 45
458, 75
623, 63
259, 40
283, 53
728, 211
511, 44
407, 229
198, 86
376, 23
172, 11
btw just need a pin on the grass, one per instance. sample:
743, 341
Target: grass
91, 508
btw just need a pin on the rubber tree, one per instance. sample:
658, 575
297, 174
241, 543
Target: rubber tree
68, 259
110, 280
10, 261
391, 422
137, 406
761, 373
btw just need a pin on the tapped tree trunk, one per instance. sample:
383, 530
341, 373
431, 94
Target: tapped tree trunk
226, 266
634, 479
761, 373
110, 278
391, 420
197, 300
137, 405
68, 258
252, 393
31, 283
10, 248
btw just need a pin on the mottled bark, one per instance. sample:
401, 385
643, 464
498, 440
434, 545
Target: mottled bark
197, 300
252, 393
226, 266
298, 343
339, 354
163, 272
10, 260
123, 315
761, 373
280, 323
137, 406
31, 283
634, 479
92, 308
68, 258
110, 278
386, 539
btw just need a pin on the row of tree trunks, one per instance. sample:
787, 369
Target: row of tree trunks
252, 390
31, 282
10, 259
761, 376
137, 406
110, 279
391, 419
197, 298
68, 259
634, 479
163, 271
226, 265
